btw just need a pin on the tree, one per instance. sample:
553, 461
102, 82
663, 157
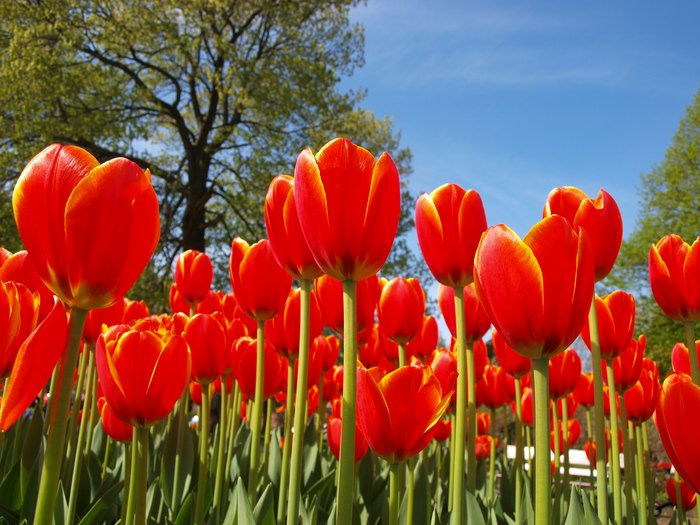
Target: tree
669, 203
214, 97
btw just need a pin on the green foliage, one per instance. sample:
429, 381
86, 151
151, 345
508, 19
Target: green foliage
669, 203
215, 98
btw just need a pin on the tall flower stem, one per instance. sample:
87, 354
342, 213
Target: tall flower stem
256, 418
220, 453
614, 446
53, 457
321, 413
394, 494
641, 491
589, 430
126, 471
492, 463
49, 403
179, 452
689, 329
235, 410
565, 451
402, 354
460, 412
453, 434
136, 509
599, 412
287, 449
518, 466
630, 463
410, 464
543, 497
203, 474
471, 421
680, 511
300, 405
267, 435
71, 434
346, 468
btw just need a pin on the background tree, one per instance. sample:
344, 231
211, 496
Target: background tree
669, 203
214, 97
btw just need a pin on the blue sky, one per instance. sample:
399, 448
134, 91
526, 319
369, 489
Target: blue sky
515, 98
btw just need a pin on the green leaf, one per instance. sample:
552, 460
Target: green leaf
422, 501
589, 513
185, 514
245, 512
527, 510
274, 465
32, 449
173, 495
264, 512
11, 488
474, 512
103, 509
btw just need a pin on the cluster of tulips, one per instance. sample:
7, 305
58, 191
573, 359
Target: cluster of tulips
88, 370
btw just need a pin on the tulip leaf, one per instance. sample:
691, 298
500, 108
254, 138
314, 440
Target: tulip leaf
184, 516
32, 449
575, 514
274, 465
474, 513
245, 512
322, 487
422, 500
264, 511
527, 510
11, 489
103, 508
60, 512
589, 513
312, 468
507, 496
174, 496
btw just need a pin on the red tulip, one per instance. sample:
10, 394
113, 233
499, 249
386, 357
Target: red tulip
571, 405
443, 430
688, 495
89, 228
348, 206
511, 361
245, 367
329, 293
398, 412
401, 308
282, 331
284, 231
483, 423
628, 365
674, 267
195, 390
112, 425
33, 364
378, 351
526, 407
616, 312
19, 315
260, 285
19, 268
564, 373
332, 351
475, 318
492, 390
142, 373
574, 432
584, 390
427, 339
537, 291
193, 276
4, 255
600, 218
449, 224
98, 318
483, 446
680, 357
334, 426
444, 365
207, 341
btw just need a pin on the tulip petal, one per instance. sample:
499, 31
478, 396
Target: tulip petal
373, 416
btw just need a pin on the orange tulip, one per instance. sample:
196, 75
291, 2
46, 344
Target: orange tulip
207, 341
674, 269
564, 373
449, 224
245, 366
680, 357
427, 339
628, 365
378, 351
260, 284
493, 390
349, 206
476, 320
398, 412
284, 231
600, 218
89, 228
537, 291
483, 446
282, 331
19, 315
511, 361
142, 372
688, 495
574, 432
335, 425
193, 276
401, 309
112, 425
616, 313
329, 292
99, 317
19, 268
584, 390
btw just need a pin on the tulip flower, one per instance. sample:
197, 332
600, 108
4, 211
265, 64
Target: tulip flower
193, 276
492, 391
401, 308
476, 321
564, 373
102, 317
449, 224
335, 425
511, 361
378, 351
678, 398
19, 268
616, 313
584, 390
282, 331
329, 293
483, 446
680, 357
245, 368
426, 340
688, 494
112, 425
442, 430
19, 314
628, 365
207, 341
641, 399
673, 269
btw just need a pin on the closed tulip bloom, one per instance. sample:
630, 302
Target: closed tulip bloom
444, 365
678, 401
688, 495
584, 390
349, 206
245, 366
600, 218
397, 412
574, 432
674, 274
71, 211
483, 444
616, 313
401, 308
335, 425
511, 361
427, 339
98, 318
142, 373
19, 268
284, 230
564, 373
112, 425
483, 423
207, 341
628, 365
680, 357
193, 276
476, 320
282, 331
526, 407
329, 292
571, 405
135, 310
443, 430
492, 390
537, 291
260, 284
449, 224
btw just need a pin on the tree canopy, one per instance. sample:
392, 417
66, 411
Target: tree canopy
214, 97
669, 203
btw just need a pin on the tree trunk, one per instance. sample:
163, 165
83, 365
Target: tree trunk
194, 219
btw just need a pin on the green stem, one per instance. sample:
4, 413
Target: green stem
453, 434
71, 433
256, 417
235, 421
267, 435
518, 467
565, 450
641, 492
410, 489
94, 416
689, 328
460, 412
471, 421
589, 430
492, 463
108, 449
599, 412
220, 453
394, 494
543, 497
49, 404
528, 438
202, 476
321, 412
614, 446
346, 482
680, 511
402, 354
136, 510
126, 465
287, 450
628, 454
557, 462
53, 457
179, 451
84, 422
300, 406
